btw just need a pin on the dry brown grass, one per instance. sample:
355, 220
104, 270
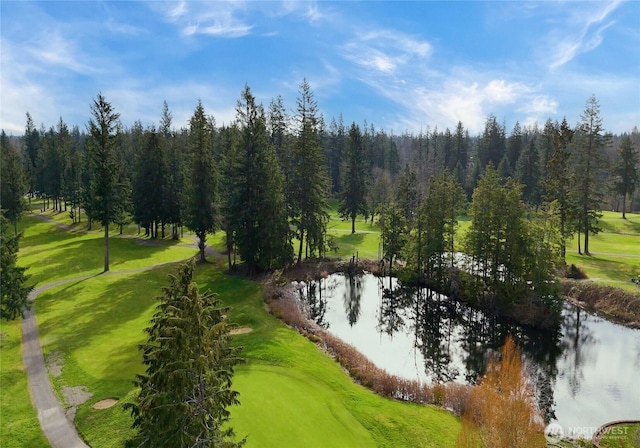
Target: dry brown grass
615, 303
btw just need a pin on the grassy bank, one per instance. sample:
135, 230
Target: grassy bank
615, 252
19, 425
291, 392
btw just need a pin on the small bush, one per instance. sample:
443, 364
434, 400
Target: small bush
501, 411
574, 272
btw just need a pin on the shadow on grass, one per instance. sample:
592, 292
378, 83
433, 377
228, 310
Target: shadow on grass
621, 226
615, 270
73, 318
350, 240
80, 256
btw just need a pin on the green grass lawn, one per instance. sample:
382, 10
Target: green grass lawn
292, 393
615, 252
19, 425
622, 436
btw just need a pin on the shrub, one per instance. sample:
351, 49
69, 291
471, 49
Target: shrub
623, 306
501, 410
573, 272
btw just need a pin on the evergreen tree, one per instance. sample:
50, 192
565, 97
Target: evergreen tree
492, 143
588, 169
186, 388
174, 185
335, 149
504, 169
626, 171
12, 182
106, 193
558, 183
440, 209
230, 170
515, 145
259, 216
528, 173
546, 148
73, 169
31, 149
408, 195
203, 201
309, 183
496, 238
14, 293
354, 182
149, 186
460, 154
392, 233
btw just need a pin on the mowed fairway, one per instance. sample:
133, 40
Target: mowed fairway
615, 251
292, 393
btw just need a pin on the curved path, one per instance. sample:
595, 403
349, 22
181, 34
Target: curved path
55, 426
60, 432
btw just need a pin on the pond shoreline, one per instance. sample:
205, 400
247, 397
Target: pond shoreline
613, 304
592, 297
281, 300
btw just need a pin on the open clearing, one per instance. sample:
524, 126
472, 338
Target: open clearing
291, 392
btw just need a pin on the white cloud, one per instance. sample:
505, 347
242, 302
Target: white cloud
580, 33
220, 18
50, 49
28, 80
386, 50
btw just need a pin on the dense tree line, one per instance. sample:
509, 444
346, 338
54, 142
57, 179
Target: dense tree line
265, 178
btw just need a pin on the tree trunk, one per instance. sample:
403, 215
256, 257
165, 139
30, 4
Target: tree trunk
202, 237
586, 236
624, 200
300, 247
579, 246
353, 224
106, 247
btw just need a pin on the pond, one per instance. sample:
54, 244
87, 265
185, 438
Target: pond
587, 373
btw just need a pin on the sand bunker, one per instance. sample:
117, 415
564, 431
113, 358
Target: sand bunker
105, 404
241, 330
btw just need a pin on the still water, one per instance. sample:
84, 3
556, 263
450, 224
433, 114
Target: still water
585, 374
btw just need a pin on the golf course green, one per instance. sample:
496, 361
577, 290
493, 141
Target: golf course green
291, 392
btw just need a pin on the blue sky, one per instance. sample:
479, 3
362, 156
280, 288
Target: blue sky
403, 66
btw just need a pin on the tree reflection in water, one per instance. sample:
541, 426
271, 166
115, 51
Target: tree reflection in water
577, 346
456, 342
352, 296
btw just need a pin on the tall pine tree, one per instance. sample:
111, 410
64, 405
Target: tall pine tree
203, 201
106, 194
12, 182
258, 216
588, 165
626, 171
354, 181
309, 183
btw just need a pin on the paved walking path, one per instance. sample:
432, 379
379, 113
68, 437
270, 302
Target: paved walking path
60, 432
55, 426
